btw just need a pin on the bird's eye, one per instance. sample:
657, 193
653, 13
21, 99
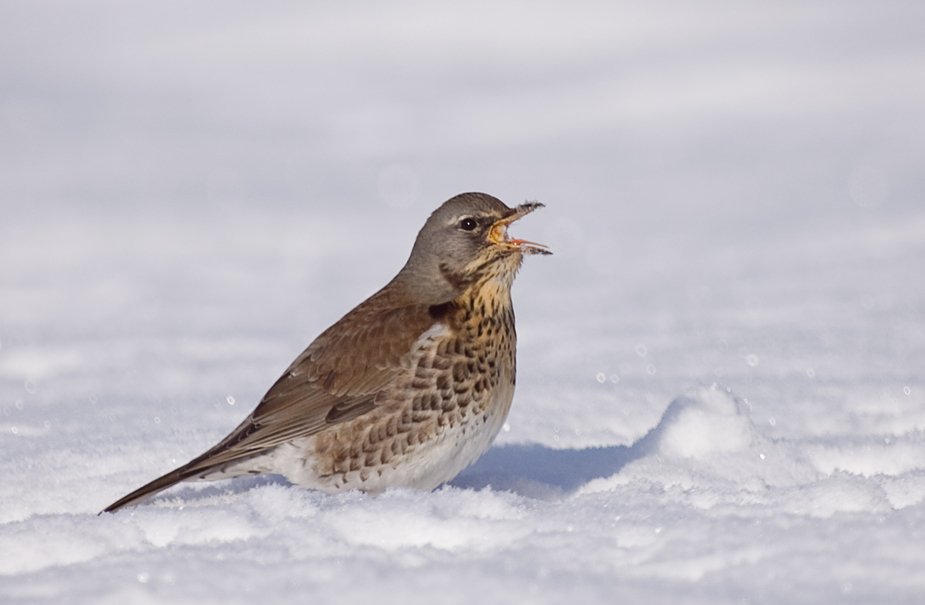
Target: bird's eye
468, 224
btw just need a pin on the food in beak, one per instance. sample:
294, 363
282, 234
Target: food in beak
498, 233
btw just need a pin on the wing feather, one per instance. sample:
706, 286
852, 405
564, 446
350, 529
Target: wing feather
340, 376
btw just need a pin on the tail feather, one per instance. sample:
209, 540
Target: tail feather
223, 455
159, 484
205, 467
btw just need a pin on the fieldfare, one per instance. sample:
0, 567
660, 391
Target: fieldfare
407, 389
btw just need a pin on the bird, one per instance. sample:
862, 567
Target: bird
408, 388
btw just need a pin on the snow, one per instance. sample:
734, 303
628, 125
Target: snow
720, 392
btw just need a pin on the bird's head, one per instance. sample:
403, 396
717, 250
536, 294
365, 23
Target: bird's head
464, 242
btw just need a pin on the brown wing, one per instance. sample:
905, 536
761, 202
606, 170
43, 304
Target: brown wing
340, 376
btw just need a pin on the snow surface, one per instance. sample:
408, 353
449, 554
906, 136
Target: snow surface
721, 396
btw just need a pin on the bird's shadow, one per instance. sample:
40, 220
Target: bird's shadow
541, 472
544, 473
531, 470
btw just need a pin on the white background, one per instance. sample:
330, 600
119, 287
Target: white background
190, 192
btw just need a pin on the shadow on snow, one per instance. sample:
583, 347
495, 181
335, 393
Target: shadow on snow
530, 470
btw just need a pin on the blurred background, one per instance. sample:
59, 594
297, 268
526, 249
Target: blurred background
190, 192
735, 197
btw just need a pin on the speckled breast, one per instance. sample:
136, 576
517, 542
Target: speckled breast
439, 417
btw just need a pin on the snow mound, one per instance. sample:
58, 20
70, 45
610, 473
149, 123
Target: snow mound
699, 425
707, 439
707, 451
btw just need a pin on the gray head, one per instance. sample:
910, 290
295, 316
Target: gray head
459, 243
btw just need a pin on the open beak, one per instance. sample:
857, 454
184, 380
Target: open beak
498, 233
